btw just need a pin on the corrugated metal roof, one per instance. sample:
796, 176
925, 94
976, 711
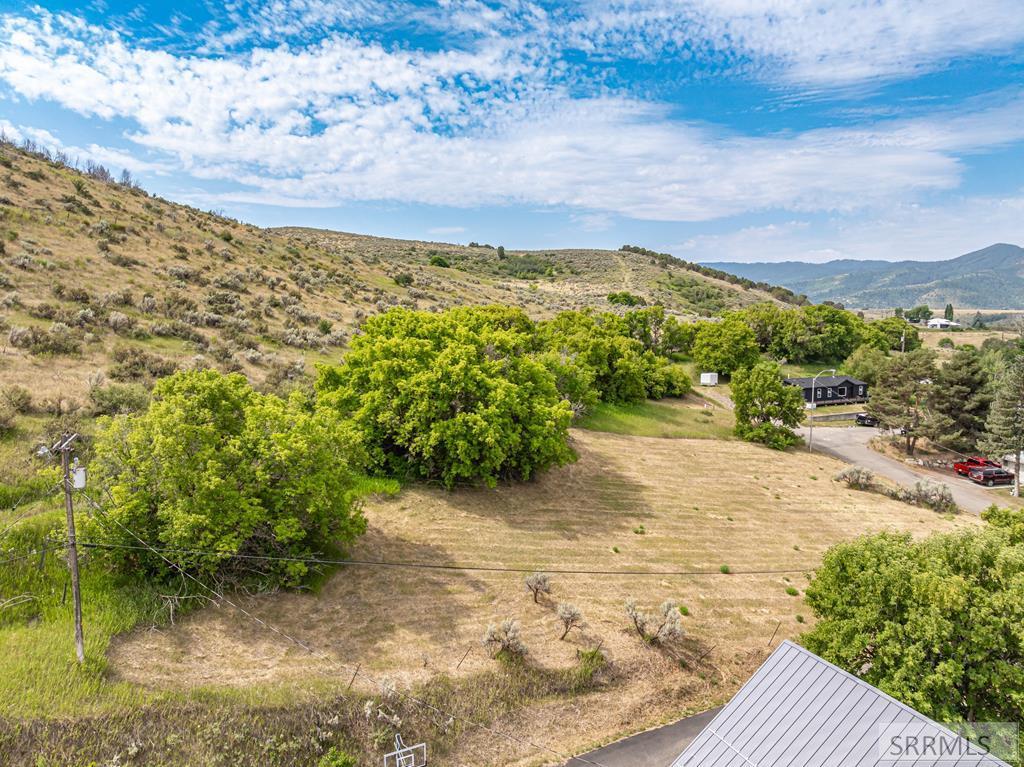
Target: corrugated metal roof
798, 710
825, 381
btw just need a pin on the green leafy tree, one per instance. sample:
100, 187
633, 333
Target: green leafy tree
1005, 426
767, 410
819, 333
919, 314
623, 369
213, 466
451, 396
891, 334
867, 364
963, 394
766, 320
948, 312
936, 623
726, 346
902, 398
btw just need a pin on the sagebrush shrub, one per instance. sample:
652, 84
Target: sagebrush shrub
857, 477
504, 640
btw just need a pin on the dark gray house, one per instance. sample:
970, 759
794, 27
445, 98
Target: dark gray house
831, 390
798, 709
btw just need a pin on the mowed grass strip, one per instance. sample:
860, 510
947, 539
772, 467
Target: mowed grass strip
690, 418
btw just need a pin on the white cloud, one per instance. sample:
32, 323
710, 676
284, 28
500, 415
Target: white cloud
441, 231
812, 42
344, 119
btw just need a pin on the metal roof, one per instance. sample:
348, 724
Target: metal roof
825, 381
800, 710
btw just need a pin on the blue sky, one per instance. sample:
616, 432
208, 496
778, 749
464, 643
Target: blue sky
712, 129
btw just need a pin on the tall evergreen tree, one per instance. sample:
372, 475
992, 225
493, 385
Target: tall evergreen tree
1006, 419
902, 399
948, 313
963, 394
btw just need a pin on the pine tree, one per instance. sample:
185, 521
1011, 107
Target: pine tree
963, 394
948, 313
1006, 419
902, 399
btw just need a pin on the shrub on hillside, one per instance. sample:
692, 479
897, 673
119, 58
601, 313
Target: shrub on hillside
130, 363
505, 641
214, 466
857, 477
18, 398
450, 396
118, 399
928, 494
661, 629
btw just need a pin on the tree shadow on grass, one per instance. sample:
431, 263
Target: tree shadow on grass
360, 613
587, 498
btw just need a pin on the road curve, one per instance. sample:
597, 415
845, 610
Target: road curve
850, 444
655, 748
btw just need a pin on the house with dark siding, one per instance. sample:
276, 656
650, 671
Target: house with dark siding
831, 390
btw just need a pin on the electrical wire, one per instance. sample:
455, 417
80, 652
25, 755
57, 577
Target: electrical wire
435, 566
30, 554
357, 671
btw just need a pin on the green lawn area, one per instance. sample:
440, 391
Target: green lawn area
808, 369
662, 418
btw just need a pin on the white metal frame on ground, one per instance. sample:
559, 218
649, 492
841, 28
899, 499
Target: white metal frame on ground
410, 756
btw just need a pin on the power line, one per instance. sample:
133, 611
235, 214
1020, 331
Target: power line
357, 671
437, 566
30, 554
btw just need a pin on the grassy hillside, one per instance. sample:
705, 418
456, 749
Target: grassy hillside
98, 278
629, 503
990, 278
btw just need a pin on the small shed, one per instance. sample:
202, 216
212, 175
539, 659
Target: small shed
709, 379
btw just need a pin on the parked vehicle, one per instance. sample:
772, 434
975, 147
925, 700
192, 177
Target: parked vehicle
863, 419
966, 466
991, 477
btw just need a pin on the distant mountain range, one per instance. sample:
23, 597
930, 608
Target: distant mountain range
990, 278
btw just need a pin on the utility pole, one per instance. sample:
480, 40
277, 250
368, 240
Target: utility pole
64, 447
810, 420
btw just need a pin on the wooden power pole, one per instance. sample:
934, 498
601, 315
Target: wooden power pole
64, 447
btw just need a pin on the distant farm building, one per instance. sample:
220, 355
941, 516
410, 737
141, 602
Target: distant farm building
798, 709
831, 390
941, 323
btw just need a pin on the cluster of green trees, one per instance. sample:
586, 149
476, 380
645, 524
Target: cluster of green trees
212, 469
936, 623
818, 333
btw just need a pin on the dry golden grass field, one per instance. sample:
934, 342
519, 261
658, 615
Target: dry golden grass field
629, 503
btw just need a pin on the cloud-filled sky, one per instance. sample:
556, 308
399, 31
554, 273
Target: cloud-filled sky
713, 129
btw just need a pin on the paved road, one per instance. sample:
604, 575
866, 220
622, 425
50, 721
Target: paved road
654, 748
851, 444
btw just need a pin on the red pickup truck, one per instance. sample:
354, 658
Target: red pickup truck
966, 466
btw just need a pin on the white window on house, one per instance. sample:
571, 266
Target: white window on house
830, 392
860, 391
818, 395
842, 391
